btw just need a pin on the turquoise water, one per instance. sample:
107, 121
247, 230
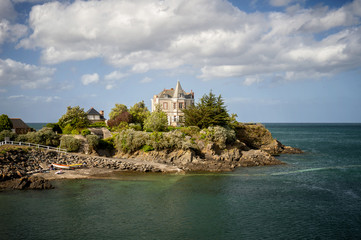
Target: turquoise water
317, 195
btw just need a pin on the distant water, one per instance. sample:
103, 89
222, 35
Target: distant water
317, 195
37, 126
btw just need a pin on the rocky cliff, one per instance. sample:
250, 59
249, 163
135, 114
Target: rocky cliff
254, 146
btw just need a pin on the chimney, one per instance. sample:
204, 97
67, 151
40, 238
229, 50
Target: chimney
101, 112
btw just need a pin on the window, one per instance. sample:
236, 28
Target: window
165, 106
175, 119
180, 105
174, 106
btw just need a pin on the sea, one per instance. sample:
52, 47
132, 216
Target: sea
315, 195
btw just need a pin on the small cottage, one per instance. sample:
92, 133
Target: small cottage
19, 127
95, 116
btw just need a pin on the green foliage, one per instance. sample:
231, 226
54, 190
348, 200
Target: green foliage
7, 133
139, 113
93, 142
70, 143
107, 143
85, 132
118, 109
219, 135
67, 129
5, 123
210, 111
97, 125
157, 120
75, 132
74, 117
55, 127
135, 126
147, 148
44, 136
130, 141
191, 130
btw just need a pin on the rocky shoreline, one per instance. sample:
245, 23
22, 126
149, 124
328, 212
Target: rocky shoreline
27, 168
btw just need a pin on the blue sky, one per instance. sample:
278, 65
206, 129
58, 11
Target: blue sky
271, 60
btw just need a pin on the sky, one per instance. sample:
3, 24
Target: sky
270, 60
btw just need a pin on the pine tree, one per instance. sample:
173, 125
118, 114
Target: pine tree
210, 111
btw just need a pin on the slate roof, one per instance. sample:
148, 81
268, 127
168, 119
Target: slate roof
92, 111
170, 93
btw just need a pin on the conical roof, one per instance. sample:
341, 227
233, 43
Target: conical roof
178, 90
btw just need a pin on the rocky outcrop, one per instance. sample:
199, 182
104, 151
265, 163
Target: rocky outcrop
276, 148
25, 183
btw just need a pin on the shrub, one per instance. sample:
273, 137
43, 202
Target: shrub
7, 133
5, 123
85, 132
135, 126
157, 120
44, 136
147, 148
55, 127
70, 143
67, 129
106, 144
75, 132
129, 140
93, 142
122, 117
219, 135
97, 125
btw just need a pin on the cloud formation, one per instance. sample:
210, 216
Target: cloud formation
90, 79
24, 75
211, 35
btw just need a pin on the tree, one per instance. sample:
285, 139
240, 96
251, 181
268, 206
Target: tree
157, 120
5, 123
75, 118
139, 113
210, 111
118, 109
122, 117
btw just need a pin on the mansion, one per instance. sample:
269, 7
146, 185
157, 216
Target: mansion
172, 101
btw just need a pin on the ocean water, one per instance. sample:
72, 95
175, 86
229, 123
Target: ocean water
316, 195
36, 126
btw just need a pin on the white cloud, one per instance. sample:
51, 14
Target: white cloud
90, 79
210, 35
24, 75
47, 99
146, 80
116, 75
11, 32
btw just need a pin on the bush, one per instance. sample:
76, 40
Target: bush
7, 133
70, 143
97, 125
67, 129
147, 148
93, 142
219, 135
85, 132
45, 136
135, 126
75, 132
55, 127
129, 140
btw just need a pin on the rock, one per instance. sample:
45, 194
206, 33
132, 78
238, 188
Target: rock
24, 183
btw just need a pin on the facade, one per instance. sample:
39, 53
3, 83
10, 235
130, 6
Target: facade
19, 127
173, 101
95, 116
